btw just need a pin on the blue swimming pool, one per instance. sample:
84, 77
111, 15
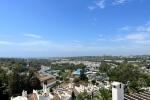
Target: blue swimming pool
77, 72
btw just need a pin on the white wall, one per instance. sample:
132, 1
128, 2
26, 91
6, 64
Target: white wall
117, 91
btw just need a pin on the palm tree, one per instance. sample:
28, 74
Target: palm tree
84, 96
73, 96
58, 83
141, 83
103, 94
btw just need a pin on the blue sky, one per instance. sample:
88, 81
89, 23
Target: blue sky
46, 28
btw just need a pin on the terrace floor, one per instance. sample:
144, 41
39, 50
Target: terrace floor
138, 96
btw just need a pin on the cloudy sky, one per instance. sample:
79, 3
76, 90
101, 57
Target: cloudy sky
47, 28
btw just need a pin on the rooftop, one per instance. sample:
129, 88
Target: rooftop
116, 83
138, 96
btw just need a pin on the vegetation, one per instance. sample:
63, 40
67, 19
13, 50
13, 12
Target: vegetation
18, 74
51, 90
73, 96
3, 85
67, 66
84, 96
19, 82
83, 77
76, 80
103, 94
127, 73
93, 82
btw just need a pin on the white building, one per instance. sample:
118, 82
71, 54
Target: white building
89, 89
117, 91
45, 95
23, 97
19, 98
63, 94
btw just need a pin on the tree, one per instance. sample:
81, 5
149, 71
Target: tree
76, 80
83, 76
57, 83
133, 86
125, 73
73, 96
83, 96
57, 77
93, 82
3, 88
51, 90
67, 80
14, 84
104, 67
147, 80
34, 83
141, 83
105, 94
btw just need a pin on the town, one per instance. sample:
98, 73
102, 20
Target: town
74, 49
76, 78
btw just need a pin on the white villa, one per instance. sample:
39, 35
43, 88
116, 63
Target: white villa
36, 95
23, 97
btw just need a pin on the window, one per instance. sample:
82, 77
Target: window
114, 86
120, 85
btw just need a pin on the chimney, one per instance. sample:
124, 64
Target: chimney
117, 91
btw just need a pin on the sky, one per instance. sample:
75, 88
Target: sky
54, 28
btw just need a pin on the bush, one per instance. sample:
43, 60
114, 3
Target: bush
76, 80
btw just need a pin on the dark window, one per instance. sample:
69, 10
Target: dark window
114, 86
120, 85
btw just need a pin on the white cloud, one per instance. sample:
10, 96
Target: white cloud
144, 28
148, 29
144, 42
125, 28
76, 41
100, 35
148, 23
33, 36
100, 3
140, 34
136, 37
6, 43
91, 7
103, 3
140, 28
35, 42
118, 38
118, 2
101, 39
75, 44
